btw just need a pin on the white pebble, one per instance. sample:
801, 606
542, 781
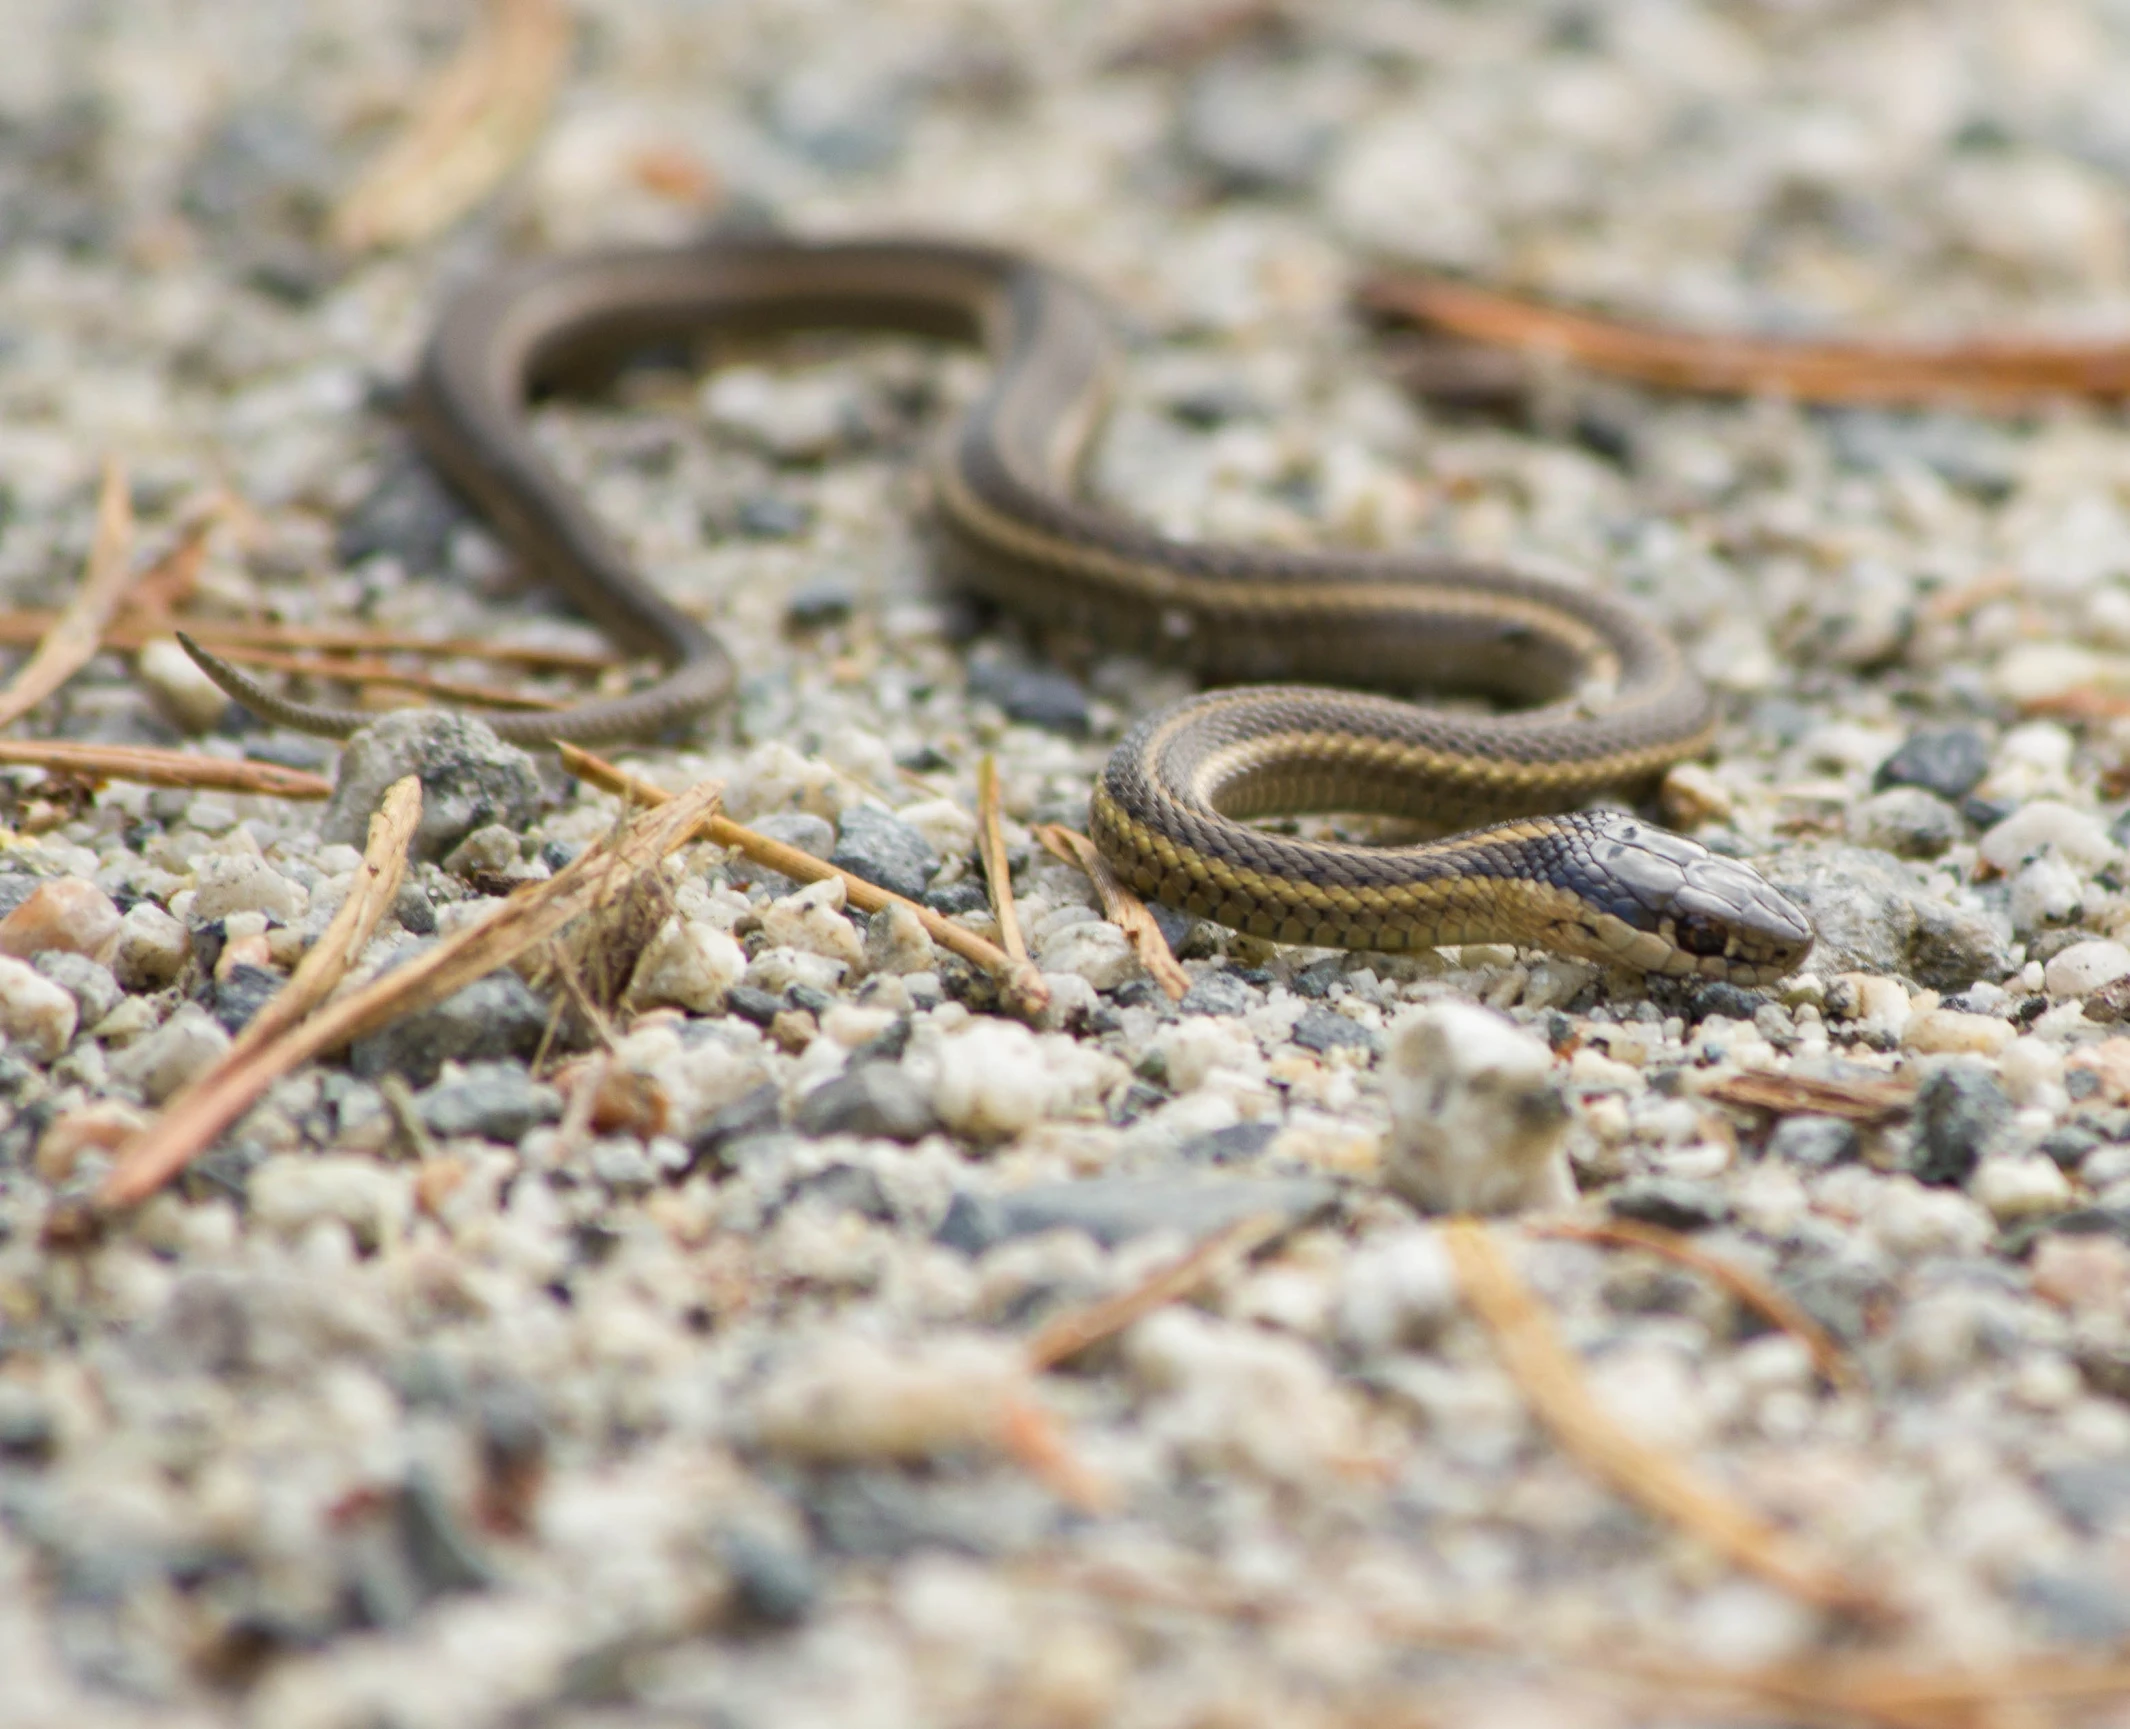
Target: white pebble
1094, 949
897, 944
226, 883
688, 965
2046, 892
34, 1012
1477, 1119
1949, 1032
291, 1193
850, 1398
2014, 1188
950, 829
2078, 838
1394, 1292
2085, 967
996, 1078
811, 919
152, 947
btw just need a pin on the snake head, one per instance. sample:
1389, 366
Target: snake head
1665, 904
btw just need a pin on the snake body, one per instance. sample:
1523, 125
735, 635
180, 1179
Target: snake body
1610, 702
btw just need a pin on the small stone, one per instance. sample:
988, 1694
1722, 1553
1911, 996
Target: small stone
1906, 821
822, 601
773, 1584
1959, 1110
1816, 1143
754, 1113
2044, 824
767, 516
758, 1006
69, 913
415, 911
1947, 1032
28, 1434
1242, 125
883, 850
690, 964
954, 900
179, 688
1947, 761
289, 1194
491, 851
875, 1099
813, 835
185, 1046
35, 1013
2018, 1188
1326, 1030
498, 1016
241, 992
1115, 1210
2046, 894
1672, 1202
2086, 1275
1692, 797
469, 777
2085, 967
1034, 696
1871, 917
897, 944
801, 416
243, 882
1217, 993
811, 920
1091, 949
1477, 1119
94, 990
851, 1398
491, 1102
1721, 997
1396, 1292
102, 1127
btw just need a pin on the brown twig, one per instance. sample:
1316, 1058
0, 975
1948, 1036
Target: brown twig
77, 632
1064, 1338
1552, 1381
1022, 985
991, 847
130, 630
527, 918
1120, 906
146, 766
1871, 1103
1773, 1304
1036, 1441
469, 127
1989, 372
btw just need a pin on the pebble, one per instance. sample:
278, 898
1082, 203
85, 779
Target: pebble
2085, 967
35, 1013
2018, 1187
1034, 696
882, 849
66, 914
1816, 1143
897, 943
151, 949
875, 1099
181, 690
2080, 840
1672, 1202
1946, 761
1960, 1110
1091, 949
1327, 1030
690, 964
469, 778
1947, 1032
1871, 918
1217, 993
1477, 1119
1242, 124
243, 883
96, 992
498, 1016
374, 1202
1396, 1293
1692, 796
488, 1101
1905, 821
241, 991
811, 920
997, 1079
491, 852
183, 1048
852, 1399
2046, 894
1114, 1210
798, 828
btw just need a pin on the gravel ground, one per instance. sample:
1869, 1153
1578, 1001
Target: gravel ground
427, 1401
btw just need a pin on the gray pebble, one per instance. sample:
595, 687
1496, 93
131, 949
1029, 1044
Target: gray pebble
242, 993
876, 1099
1326, 1030
1219, 993
812, 835
1675, 1203
1034, 696
1241, 124
1959, 1111
494, 1101
1816, 1143
1114, 1210
1871, 917
1947, 761
773, 1584
494, 1017
1905, 821
89, 983
824, 600
469, 778
883, 850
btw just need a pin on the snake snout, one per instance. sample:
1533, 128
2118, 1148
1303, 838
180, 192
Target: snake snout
1728, 910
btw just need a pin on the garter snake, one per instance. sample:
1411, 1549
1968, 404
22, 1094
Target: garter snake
1609, 700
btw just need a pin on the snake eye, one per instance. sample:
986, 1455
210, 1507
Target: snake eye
1700, 935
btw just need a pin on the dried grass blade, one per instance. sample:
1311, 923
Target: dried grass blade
1061, 1340
78, 631
130, 630
1022, 984
991, 846
1868, 1102
1120, 906
529, 917
1551, 1379
1773, 1304
470, 126
147, 766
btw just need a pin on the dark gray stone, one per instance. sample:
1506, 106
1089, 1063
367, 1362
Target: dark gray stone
1237, 1144
492, 1101
441, 1556
498, 1016
469, 778
95, 992
953, 899
1871, 917
756, 1113
753, 1004
824, 600
28, 1435
773, 1584
414, 910
1721, 997
1959, 1110
1114, 1210
798, 828
242, 992
1816, 1143
1948, 761
409, 515
1675, 1203
1034, 696
1218, 993
871, 1099
2068, 1145
884, 850
845, 1189
1327, 1030
765, 516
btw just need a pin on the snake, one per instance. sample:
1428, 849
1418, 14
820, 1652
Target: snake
1310, 656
